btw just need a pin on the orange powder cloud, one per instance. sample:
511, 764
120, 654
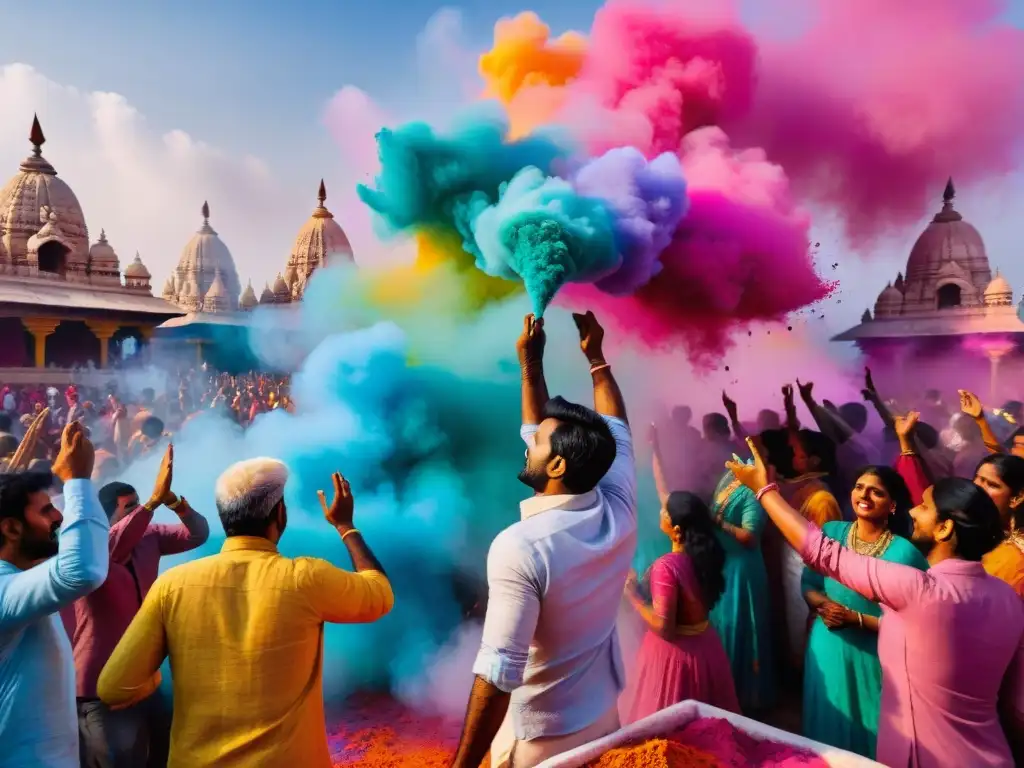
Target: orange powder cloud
526, 69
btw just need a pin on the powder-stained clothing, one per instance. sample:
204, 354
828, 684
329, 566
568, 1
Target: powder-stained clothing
556, 579
38, 722
244, 633
947, 638
97, 621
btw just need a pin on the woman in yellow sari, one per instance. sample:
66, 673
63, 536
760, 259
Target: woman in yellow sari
1001, 476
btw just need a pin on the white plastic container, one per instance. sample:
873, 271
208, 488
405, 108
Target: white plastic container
669, 720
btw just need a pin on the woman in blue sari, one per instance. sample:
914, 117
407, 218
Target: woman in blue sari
741, 616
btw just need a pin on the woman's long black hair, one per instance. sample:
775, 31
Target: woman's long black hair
687, 512
900, 522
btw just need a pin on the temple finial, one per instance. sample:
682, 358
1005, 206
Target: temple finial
950, 191
103, 235
206, 212
321, 195
36, 137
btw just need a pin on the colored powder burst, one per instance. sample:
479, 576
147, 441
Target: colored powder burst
432, 486
648, 201
442, 268
425, 179
654, 72
741, 255
525, 69
543, 232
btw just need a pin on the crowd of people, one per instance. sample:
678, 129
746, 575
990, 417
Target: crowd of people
877, 576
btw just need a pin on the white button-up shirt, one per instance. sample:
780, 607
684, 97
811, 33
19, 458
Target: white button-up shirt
556, 579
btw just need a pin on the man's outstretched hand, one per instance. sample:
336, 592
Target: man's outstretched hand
530, 344
591, 336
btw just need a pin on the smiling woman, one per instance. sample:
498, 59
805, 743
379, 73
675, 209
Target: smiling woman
842, 674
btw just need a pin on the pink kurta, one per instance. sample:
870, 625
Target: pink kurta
947, 637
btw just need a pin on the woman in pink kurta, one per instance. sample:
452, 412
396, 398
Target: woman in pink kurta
948, 636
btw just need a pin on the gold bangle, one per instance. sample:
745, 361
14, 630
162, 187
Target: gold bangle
599, 367
349, 532
173, 505
908, 453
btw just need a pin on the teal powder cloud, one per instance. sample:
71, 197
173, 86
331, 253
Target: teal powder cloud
544, 233
427, 180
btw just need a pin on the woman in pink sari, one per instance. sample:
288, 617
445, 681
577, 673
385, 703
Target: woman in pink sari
681, 656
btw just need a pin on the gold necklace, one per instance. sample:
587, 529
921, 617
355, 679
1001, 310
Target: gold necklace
874, 548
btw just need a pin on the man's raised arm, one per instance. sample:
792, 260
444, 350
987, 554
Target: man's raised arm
530, 347
607, 396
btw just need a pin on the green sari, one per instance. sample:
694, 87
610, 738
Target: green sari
842, 674
741, 616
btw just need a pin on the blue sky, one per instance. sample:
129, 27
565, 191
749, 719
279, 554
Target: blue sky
254, 78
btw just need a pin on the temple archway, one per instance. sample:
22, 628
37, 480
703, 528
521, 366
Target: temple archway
948, 296
71, 345
53, 258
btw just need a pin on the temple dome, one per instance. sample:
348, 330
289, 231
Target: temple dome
216, 299
101, 253
320, 242
137, 277
889, 303
948, 238
282, 294
203, 256
22, 200
267, 297
137, 269
248, 299
999, 293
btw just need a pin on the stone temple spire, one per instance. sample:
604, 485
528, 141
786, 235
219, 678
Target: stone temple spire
36, 137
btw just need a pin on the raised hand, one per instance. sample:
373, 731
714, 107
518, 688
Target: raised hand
162, 493
806, 389
591, 336
26, 450
730, 405
340, 511
869, 383
530, 344
76, 457
970, 404
904, 425
755, 476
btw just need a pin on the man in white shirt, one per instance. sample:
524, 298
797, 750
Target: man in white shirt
549, 671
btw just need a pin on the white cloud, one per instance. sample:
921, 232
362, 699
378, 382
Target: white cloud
145, 185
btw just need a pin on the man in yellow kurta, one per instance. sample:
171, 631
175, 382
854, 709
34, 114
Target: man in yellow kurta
244, 632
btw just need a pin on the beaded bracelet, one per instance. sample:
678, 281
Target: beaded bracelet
767, 489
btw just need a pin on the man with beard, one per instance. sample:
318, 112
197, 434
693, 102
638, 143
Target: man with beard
39, 574
549, 670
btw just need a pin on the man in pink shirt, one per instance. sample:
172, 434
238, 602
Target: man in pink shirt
138, 735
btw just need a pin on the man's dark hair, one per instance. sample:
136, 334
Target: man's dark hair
15, 489
715, 424
584, 440
975, 516
152, 428
5, 422
110, 493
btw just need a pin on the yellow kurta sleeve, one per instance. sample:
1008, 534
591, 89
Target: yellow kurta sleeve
343, 597
133, 670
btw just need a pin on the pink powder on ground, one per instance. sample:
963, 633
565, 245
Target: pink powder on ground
737, 749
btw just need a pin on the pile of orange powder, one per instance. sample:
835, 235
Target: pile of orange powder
656, 753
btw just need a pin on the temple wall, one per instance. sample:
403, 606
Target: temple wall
15, 343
